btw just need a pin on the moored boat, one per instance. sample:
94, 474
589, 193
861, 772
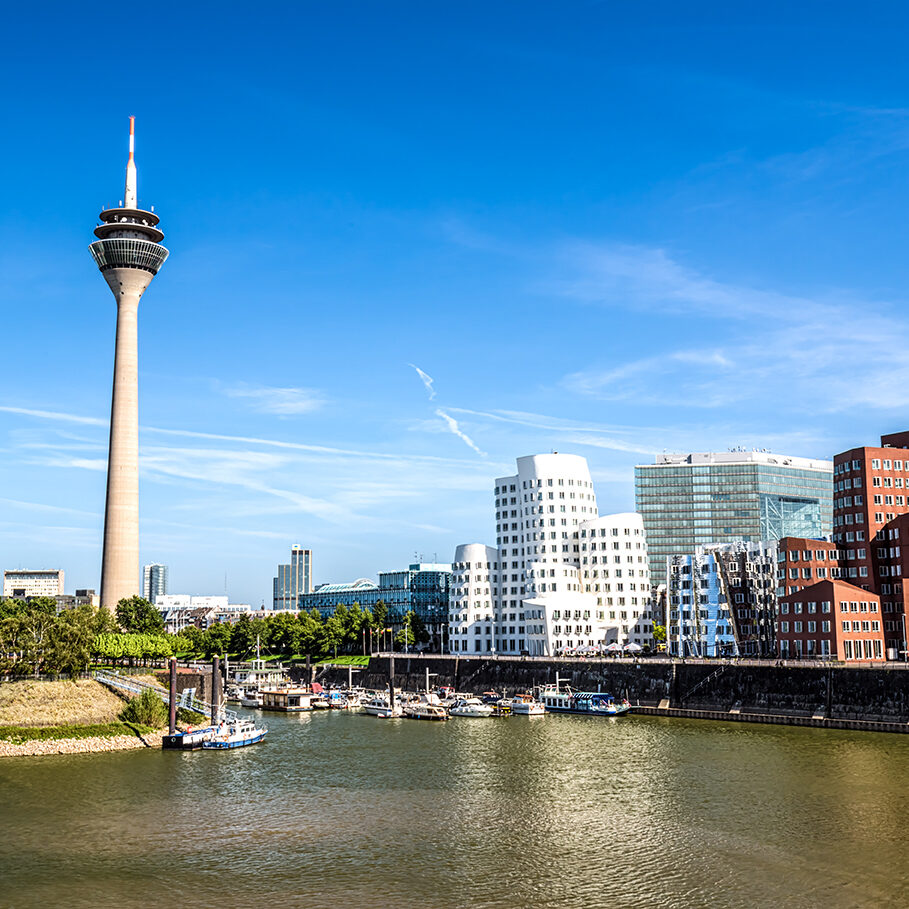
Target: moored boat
379, 706
590, 703
235, 734
470, 707
527, 705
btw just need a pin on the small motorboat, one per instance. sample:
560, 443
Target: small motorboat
379, 706
249, 697
425, 709
470, 707
527, 705
235, 734
319, 702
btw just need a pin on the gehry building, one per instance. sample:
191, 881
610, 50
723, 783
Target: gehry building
540, 591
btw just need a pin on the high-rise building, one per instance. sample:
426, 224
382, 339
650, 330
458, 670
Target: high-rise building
692, 500
41, 582
129, 253
154, 581
293, 580
530, 595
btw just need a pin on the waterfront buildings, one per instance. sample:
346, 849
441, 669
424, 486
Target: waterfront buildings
129, 254
721, 601
421, 588
293, 580
870, 526
24, 583
718, 497
560, 577
831, 619
154, 581
180, 610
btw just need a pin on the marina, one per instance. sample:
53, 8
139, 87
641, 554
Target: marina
662, 797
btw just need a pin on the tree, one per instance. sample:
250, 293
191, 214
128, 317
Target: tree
284, 633
310, 631
418, 626
216, 639
333, 633
137, 616
659, 634
405, 637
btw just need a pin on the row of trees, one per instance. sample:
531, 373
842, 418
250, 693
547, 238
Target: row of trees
39, 638
350, 629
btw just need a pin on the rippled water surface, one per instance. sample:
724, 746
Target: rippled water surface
346, 810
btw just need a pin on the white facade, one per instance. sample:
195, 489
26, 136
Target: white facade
45, 582
531, 594
616, 570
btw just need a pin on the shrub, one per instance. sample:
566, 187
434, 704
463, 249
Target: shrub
146, 710
188, 717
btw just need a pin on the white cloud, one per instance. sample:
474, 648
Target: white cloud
281, 401
426, 379
452, 424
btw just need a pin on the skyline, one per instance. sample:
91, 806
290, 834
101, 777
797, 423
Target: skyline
593, 234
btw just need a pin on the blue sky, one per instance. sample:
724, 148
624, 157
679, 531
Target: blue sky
608, 228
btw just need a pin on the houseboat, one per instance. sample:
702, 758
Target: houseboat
286, 700
591, 703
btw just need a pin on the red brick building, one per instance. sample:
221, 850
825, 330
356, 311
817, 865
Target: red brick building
831, 619
801, 563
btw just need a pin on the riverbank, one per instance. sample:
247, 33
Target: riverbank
66, 717
80, 745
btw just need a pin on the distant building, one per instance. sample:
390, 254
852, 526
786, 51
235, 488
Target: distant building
293, 580
180, 610
722, 497
154, 581
421, 588
328, 596
23, 583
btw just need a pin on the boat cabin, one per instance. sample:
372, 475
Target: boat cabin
289, 700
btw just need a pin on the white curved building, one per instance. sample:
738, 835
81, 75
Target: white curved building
616, 570
474, 578
531, 595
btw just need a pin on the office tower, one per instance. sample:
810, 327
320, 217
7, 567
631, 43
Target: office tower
154, 581
293, 580
129, 253
692, 500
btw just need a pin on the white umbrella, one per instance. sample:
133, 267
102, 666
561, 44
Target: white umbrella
633, 647
612, 648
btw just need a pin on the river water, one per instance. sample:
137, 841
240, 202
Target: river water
347, 810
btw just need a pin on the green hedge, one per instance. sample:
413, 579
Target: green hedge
19, 734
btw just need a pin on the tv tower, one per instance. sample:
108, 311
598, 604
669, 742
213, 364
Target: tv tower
129, 253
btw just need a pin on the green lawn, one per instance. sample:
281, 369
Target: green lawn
19, 734
345, 661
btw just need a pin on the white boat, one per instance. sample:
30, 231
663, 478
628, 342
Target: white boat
425, 709
526, 705
319, 702
235, 734
591, 703
378, 706
250, 697
470, 707
343, 700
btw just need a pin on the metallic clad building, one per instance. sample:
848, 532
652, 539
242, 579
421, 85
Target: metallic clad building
692, 500
129, 253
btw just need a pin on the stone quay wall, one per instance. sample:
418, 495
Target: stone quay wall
820, 692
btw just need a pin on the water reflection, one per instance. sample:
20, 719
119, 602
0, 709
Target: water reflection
546, 812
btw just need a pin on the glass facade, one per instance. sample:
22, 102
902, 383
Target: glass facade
716, 499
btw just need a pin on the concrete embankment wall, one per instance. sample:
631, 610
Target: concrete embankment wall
810, 695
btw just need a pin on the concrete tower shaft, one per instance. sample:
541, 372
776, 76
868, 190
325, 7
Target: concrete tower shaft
129, 253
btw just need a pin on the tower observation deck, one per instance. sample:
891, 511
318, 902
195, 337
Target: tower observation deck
129, 254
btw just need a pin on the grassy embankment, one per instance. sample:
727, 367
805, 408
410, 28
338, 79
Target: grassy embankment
32, 710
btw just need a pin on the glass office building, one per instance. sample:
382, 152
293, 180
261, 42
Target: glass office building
692, 500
